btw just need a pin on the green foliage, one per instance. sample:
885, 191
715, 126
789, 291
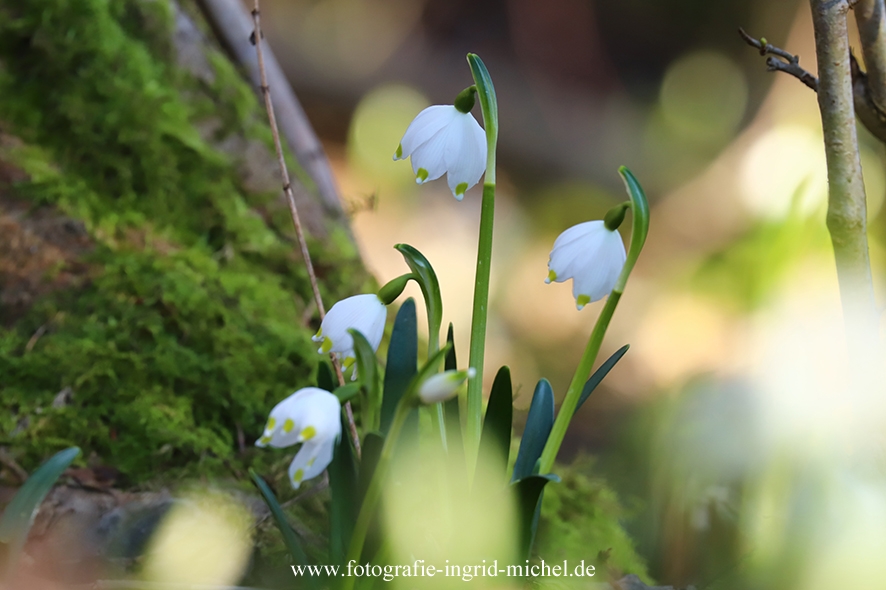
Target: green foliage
580, 519
188, 324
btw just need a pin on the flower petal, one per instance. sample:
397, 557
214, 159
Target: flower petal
310, 461
596, 276
308, 414
425, 126
465, 154
428, 159
364, 313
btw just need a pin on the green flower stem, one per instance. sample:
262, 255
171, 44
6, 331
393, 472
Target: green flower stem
640, 209
582, 372
474, 405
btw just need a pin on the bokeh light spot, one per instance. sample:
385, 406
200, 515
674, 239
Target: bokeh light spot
703, 96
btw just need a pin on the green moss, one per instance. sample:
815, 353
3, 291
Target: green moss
189, 327
581, 519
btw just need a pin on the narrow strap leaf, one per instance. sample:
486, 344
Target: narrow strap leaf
598, 376
289, 538
402, 362
538, 427
495, 440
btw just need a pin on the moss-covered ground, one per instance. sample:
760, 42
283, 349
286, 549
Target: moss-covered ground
185, 323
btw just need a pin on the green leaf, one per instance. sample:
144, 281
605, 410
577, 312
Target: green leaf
640, 209
373, 443
325, 377
495, 439
539, 422
451, 407
343, 506
424, 275
402, 363
368, 379
529, 494
347, 392
21, 511
289, 538
486, 92
595, 380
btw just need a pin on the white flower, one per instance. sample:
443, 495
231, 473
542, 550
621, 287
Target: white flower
442, 139
311, 416
439, 388
590, 254
364, 313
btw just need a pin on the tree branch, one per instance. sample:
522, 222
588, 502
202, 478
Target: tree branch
846, 217
866, 107
870, 16
788, 63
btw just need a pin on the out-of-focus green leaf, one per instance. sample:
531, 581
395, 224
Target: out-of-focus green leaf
19, 514
538, 426
344, 504
289, 538
529, 492
451, 408
325, 377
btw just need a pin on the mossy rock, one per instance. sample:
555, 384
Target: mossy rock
153, 304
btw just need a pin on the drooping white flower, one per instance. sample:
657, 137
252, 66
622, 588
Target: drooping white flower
590, 254
442, 386
311, 416
364, 313
445, 140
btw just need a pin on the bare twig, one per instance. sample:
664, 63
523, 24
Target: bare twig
232, 24
867, 109
780, 60
290, 197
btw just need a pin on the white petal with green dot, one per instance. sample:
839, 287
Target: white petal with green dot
364, 313
310, 461
442, 140
592, 256
310, 410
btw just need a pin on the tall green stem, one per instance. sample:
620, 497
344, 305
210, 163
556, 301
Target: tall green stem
640, 210
582, 372
474, 420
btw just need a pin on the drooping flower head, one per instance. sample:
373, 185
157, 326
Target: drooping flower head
311, 416
363, 313
442, 386
446, 139
592, 254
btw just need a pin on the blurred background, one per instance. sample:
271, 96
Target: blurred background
735, 289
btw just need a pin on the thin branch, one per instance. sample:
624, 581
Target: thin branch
780, 60
293, 209
232, 24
